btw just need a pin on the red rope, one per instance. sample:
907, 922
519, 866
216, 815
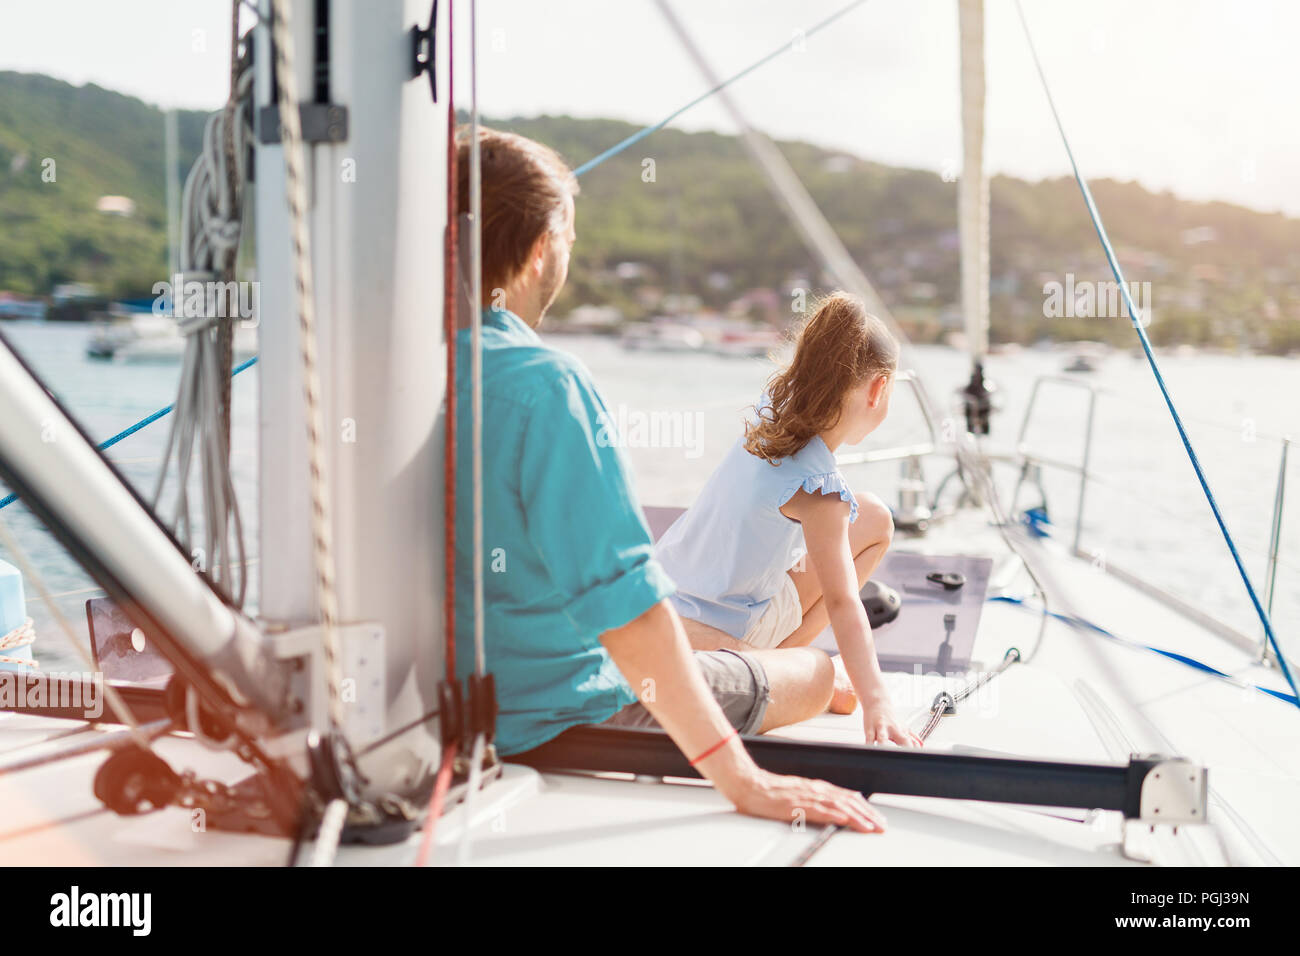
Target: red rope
449, 285
440, 788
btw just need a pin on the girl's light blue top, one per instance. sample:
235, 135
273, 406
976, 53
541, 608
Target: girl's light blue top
727, 554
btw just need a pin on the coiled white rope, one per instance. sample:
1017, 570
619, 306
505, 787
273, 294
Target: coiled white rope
211, 227
21, 636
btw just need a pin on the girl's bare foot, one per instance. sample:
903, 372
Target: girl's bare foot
844, 700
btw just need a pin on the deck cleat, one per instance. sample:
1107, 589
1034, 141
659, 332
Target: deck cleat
913, 513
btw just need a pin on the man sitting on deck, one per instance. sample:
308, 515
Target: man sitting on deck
575, 609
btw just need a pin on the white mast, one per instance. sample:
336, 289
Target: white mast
376, 214
973, 189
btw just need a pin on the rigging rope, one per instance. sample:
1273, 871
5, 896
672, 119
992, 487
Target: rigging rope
476, 337
1136, 321
296, 194
655, 127
478, 747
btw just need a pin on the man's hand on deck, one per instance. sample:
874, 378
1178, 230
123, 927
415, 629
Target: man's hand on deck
654, 647
815, 801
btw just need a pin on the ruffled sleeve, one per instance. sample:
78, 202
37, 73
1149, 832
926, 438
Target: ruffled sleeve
830, 483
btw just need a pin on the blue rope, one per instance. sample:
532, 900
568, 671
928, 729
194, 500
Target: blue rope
6, 501
1155, 369
643, 133
1079, 622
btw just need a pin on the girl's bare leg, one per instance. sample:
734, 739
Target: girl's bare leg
869, 539
802, 681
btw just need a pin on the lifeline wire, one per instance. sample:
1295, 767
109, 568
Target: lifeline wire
1085, 624
1135, 319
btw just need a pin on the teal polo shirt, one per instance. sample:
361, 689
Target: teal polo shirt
567, 554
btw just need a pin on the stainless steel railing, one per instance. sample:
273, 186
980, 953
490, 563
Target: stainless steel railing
1029, 460
1030, 463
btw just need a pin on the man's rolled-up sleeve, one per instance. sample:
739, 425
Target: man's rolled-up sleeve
582, 513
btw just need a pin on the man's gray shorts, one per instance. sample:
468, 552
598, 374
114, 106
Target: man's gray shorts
738, 683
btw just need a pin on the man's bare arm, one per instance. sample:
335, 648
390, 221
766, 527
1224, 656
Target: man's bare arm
655, 657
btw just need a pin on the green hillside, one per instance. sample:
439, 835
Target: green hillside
709, 211
706, 227
101, 143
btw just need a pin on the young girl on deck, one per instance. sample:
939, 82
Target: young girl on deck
778, 498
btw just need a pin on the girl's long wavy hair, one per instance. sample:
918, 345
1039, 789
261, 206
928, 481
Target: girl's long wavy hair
838, 348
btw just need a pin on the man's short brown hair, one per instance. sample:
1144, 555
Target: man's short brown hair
524, 185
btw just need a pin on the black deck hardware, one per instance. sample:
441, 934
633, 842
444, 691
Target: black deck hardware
321, 123
424, 53
881, 602
868, 770
451, 711
133, 781
321, 120
951, 580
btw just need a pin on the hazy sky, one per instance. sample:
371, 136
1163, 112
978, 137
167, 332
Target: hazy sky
1196, 96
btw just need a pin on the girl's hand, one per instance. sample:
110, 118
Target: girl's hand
882, 727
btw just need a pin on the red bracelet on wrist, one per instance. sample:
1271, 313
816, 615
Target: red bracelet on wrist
715, 748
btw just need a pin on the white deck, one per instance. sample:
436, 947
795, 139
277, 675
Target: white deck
1079, 697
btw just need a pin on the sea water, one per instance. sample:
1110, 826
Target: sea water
676, 414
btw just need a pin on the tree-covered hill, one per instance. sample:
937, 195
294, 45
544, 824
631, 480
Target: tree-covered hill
62, 147
697, 221
1220, 274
